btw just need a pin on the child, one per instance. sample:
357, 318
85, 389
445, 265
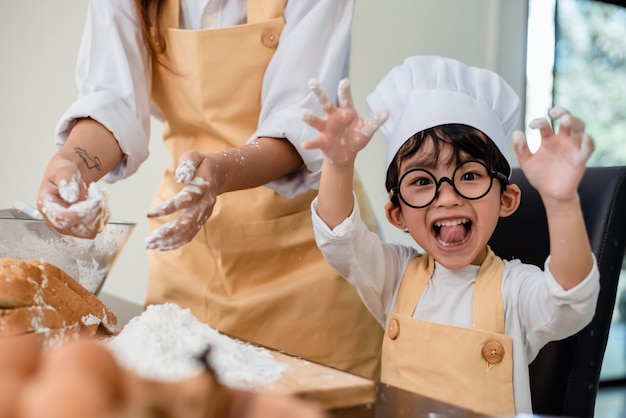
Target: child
462, 325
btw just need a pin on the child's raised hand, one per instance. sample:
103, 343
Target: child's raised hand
557, 167
342, 132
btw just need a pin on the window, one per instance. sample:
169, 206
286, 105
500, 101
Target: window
577, 59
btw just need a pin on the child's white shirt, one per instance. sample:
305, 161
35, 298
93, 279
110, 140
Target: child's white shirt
537, 309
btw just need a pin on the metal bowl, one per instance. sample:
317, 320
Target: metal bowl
87, 260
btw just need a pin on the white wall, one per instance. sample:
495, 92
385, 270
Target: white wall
484, 33
38, 46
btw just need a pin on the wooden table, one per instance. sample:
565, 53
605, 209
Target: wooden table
123, 309
392, 402
369, 400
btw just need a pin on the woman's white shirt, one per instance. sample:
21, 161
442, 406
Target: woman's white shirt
113, 75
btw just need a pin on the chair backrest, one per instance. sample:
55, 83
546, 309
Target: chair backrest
565, 375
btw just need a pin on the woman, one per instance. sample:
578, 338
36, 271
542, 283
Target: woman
229, 79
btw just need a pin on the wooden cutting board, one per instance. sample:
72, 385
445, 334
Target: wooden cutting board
329, 387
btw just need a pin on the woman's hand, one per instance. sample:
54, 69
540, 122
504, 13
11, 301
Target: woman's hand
557, 167
342, 133
67, 204
195, 201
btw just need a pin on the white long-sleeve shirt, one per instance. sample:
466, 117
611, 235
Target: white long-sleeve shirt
114, 77
537, 309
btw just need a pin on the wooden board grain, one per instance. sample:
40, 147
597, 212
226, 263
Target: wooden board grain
329, 387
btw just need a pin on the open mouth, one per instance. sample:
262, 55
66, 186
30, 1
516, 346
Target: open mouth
454, 232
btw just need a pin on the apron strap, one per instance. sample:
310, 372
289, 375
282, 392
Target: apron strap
262, 10
418, 272
487, 303
258, 11
170, 14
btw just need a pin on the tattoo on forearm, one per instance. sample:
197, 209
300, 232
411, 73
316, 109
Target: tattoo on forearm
89, 161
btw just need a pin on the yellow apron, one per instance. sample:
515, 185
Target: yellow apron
254, 270
468, 367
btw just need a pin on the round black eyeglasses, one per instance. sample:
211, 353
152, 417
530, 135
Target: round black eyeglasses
471, 180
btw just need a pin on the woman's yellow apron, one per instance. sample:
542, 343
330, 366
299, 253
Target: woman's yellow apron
468, 367
254, 270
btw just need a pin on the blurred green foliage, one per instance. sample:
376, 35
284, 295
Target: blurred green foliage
590, 73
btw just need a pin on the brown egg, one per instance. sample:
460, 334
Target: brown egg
68, 395
90, 358
198, 396
260, 405
18, 359
10, 385
80, 379
19, 354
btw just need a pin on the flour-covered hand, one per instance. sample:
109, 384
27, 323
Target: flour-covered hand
342, 132
195, 202
68, 205
558, 165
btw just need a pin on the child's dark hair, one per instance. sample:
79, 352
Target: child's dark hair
467, 142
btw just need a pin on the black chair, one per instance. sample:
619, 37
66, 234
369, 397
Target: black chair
564, 377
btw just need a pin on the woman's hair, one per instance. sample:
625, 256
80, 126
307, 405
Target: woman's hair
466, 142
149, 12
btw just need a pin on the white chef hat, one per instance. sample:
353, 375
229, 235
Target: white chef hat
428, 91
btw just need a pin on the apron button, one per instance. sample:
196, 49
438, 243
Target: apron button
493, 352
394, 328
270, 37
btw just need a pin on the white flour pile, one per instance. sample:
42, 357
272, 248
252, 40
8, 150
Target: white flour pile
165, 342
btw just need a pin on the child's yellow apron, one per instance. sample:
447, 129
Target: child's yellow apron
254, 270
468, 367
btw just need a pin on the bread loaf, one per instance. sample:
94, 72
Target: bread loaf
29, 319
40, 298
81, 304
19, 285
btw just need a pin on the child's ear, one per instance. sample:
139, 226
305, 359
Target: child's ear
510, 200
395, 215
